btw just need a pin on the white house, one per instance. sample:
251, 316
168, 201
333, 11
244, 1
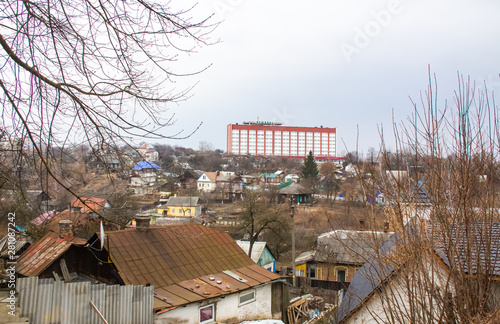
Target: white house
397, 286
207, 181
148, 152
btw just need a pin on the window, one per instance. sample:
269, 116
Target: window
180, 210
189, 211
247, 297
341, 275
312, 270
207, 314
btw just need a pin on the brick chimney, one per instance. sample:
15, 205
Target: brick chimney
65, 228
142, 222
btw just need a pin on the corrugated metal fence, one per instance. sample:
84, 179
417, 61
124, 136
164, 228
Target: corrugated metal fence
46, 301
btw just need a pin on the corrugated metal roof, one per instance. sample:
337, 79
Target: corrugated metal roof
182, 201
43, 252
179, 260
349, 247
19, 241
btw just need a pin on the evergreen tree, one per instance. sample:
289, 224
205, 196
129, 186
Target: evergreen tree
310, 168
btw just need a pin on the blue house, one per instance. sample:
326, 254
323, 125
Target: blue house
260, 254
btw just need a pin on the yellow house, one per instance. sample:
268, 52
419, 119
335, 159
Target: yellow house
180, 207
338, 254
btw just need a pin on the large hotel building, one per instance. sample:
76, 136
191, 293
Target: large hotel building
262, 139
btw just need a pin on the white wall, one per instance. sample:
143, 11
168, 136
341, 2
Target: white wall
394, 298
227, 309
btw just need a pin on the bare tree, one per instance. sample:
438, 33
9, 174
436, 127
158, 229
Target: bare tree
442, 264
90, 72
259, 214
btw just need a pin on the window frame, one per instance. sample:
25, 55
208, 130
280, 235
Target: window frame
345, 275
212, 319
246, 293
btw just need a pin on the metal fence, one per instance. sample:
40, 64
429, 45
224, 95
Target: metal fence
45, 301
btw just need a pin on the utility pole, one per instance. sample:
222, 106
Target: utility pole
292, 207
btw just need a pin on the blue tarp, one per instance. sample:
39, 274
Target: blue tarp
146, 165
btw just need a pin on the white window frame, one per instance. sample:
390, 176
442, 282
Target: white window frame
246, 293
213, 314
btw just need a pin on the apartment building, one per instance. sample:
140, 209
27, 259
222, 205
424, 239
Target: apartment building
263, 139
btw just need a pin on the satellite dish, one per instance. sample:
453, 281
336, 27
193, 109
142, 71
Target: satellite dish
102, 236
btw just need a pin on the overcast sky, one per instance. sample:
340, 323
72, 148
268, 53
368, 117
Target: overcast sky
343, 64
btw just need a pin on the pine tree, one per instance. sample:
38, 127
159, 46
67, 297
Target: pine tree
310, 168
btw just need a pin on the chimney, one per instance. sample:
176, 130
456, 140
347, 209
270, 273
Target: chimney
65, 228
142, 222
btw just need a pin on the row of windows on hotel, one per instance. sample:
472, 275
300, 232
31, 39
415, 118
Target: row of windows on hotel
285, 143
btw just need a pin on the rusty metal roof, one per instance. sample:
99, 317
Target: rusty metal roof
180, 261
44, 252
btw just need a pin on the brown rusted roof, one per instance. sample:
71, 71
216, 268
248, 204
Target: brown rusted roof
44, 252
180, 260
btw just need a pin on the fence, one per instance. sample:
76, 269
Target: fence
46, 301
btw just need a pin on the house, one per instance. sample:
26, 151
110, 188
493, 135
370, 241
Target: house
12, 245
148, 152
89, 205
270, 178
199, 274
295, 192
82, 224
146, 168
231, 185
39, 199
260, 254
188, 179
292, 177
230, 182
424, 288
45, 217
247, 179
181, 207
338, 254
53, 256
207, 182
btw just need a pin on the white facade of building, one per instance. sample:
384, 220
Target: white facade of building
284, 141
234, 308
